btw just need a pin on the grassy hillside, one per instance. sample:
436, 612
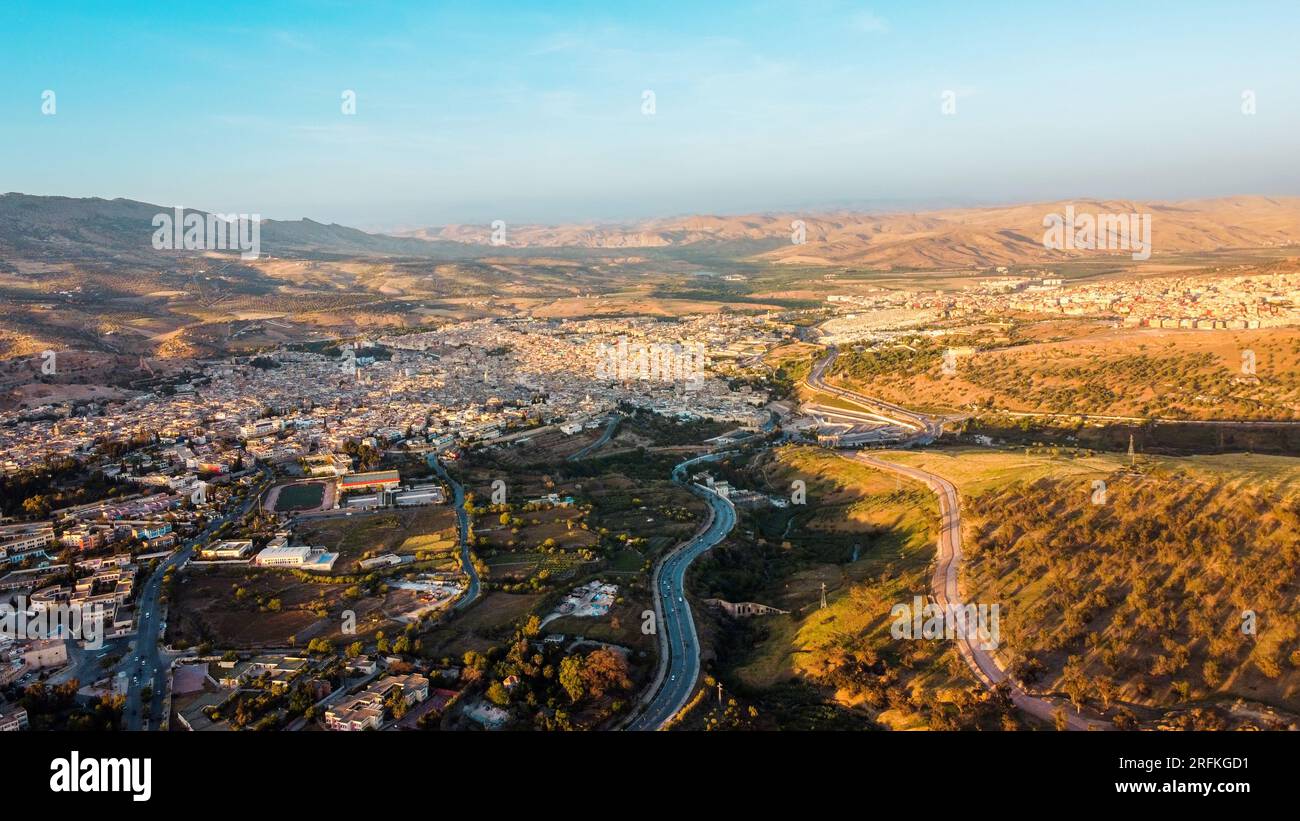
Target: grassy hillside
1145, 599
870, 538
1140, 373
1135, 605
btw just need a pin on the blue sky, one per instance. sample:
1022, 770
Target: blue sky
529, 112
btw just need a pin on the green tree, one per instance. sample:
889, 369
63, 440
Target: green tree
571, 677
533, 626
604, 670
497, 694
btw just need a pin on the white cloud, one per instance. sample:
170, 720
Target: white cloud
870, 22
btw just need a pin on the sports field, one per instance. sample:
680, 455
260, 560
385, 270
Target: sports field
305, 496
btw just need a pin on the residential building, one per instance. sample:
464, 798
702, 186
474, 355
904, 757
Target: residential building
12, 718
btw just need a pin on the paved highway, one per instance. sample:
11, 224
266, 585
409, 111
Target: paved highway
945, 591
926, 428
462, 532
146, 665
604, 437
679, 645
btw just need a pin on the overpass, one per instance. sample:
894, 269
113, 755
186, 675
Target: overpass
924, 428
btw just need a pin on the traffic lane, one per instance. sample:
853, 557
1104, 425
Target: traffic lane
146, 661
683, 649
145, 665
816, 381
678, 637
677, 689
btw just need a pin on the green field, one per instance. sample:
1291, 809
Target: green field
304, 496
524, 564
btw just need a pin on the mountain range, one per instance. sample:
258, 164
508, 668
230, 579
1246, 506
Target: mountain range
966, 237
85, 228
54, 228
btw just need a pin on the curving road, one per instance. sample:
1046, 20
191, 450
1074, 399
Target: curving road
679, 645
944, 588
948, 554
462, 531
926, 428
604, 437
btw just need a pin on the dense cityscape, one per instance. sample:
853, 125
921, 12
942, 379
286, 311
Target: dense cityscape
474, 404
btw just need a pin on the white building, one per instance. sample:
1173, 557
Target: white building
301, 557
262, 427
420, 495
232, 549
